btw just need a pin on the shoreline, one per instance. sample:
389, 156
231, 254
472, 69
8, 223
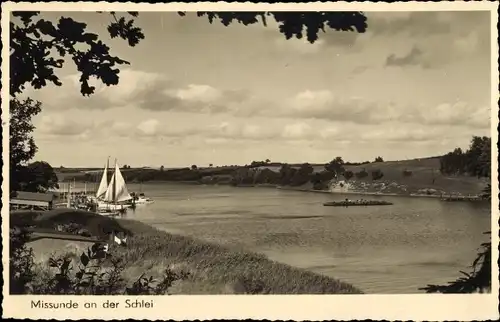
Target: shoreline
457, 197
213, 268
367, 193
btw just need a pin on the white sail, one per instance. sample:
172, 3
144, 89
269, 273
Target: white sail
109, 193
103, 186
117, 189
121, 191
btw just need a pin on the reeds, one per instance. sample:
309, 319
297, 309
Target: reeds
211, 263
212, 268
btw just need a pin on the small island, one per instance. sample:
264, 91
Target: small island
360, 202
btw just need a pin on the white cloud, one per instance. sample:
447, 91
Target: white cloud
325, 105
121, 128
59, 125
458, 113
299, 130
198, 93
148, 127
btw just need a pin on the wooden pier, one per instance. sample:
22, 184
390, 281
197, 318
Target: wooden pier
462, 198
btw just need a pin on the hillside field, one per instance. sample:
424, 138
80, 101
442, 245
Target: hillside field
425, 175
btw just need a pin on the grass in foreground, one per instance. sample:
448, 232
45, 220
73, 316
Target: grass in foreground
212, 269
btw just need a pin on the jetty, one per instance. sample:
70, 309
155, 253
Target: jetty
349, 203
462, 198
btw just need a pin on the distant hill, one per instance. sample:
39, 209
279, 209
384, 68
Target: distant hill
401, 177
425, 174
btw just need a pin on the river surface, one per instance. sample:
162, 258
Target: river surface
380, 249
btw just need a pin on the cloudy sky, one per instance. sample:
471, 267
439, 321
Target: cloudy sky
414, 85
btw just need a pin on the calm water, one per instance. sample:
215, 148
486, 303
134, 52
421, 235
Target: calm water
389, 249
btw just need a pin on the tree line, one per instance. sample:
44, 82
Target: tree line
289, 175
473, 162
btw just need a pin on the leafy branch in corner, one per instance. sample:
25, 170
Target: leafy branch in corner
292, 24
38, 47
479, 280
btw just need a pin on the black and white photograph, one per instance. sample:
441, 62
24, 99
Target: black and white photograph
188, 152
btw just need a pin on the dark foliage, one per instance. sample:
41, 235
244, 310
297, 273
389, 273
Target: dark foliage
377, 174
407, 173
267, 176
379, 159
22, 145
479, 280
357, 163
336, 166
476, 161
303, 175
486, 193
294, 24
21, 262
361, 174
348, 174
97, 273
256, 164
38, 176
34, 43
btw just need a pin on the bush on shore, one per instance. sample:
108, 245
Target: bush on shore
96, 273
477, 281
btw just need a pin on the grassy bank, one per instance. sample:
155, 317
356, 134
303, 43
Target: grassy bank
212, 269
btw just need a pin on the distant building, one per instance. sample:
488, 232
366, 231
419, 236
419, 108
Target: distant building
32, 200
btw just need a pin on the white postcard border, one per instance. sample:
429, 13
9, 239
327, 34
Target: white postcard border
437, 307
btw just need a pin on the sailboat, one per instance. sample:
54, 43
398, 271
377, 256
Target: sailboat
116, 195
103, 185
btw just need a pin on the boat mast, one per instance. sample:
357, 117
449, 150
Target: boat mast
114, 183
107, 167
69, 196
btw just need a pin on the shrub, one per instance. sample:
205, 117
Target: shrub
21, 262
97, 273
348, 175
319, 186
377, 174
407, 173
362, 174
479, 280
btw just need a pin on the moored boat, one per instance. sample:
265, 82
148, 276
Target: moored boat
108, 213
140, 199
113, 197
